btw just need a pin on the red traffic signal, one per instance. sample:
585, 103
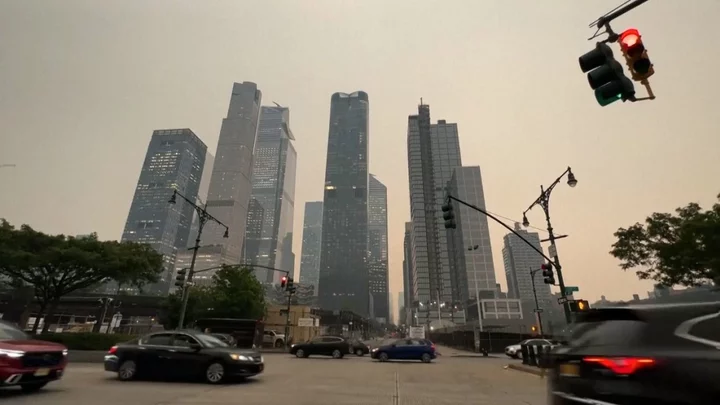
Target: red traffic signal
635, 54
547, 272
283, 281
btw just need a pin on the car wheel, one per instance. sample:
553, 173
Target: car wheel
426, 358
33, 387
337, 354
127, 370
383, 357
215, 373
300, 353
359, 353
278, 344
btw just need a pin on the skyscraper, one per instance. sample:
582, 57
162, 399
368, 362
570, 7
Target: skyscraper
311, 244
230, 184
408, 272
433, 154
174, 161
272, 203
471, 238
519, 259
378, 249
343, 282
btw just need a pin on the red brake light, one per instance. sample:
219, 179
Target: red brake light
622, 365
112, 350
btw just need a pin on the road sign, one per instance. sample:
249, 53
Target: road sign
562, 300
552, 251
570, 290
305, 322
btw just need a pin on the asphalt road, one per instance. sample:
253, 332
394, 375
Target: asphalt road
316, 381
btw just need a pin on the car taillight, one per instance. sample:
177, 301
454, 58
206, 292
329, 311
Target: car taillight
112, 350
621, 365
432, 346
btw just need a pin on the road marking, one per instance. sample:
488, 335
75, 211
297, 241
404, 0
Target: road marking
396, 395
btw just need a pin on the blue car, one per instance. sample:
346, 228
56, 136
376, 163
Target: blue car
405, 349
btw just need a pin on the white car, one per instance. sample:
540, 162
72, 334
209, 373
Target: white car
514, 351
273, 339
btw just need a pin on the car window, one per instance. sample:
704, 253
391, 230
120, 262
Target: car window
268, 333
317, 339
210, 341
159, 339
403, 342
416, 342
183, 340
621, 332
9, 332
331, 340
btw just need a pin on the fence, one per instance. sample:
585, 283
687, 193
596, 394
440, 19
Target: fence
492, 342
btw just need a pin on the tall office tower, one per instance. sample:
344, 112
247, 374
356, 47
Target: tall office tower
408, 268
230, 184
343, 282
273, 195
519, 259
470, 249
433, 154
174, 161
378, 249
311, 244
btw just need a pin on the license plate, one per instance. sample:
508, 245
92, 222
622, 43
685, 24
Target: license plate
569, 370
41, 372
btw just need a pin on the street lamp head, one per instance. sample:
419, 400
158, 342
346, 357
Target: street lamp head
572, 181
526, 223
226, 234
173, 199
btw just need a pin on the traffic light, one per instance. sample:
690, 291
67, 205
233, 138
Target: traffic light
533, 328
449, 216
579, 306
606, 76
289, 284
283, 282
636, 55
547, 272
180, 278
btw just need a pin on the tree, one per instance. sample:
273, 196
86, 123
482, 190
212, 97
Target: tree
57, 265
198, 306
673, 249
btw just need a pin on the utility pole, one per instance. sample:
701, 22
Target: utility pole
537, 305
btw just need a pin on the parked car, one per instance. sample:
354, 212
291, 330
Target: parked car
273, 339
653, 354
359, 347
334, 346
28, 363
182, 354
514, 351
405, 349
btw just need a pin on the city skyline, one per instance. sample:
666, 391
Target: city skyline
378, 249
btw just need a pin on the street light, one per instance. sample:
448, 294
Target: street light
203, 218
544, 202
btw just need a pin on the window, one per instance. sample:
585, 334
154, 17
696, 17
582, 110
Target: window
184, 341
159, 339
9, 332
210, 340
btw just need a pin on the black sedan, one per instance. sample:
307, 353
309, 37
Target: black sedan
182, 354
650, 354
359, 347
334, 346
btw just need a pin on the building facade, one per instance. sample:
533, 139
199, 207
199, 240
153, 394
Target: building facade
272, 203
230, 184
378, 248
343, 281
311, 244
174, 161
433, 154
408, 298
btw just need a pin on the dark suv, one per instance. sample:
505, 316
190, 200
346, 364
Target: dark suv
654, 354
28, 363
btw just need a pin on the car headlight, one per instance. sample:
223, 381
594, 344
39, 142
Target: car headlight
65, 352
14, 354
375, 349
239, 357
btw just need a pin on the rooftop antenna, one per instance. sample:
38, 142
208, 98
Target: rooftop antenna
277, 104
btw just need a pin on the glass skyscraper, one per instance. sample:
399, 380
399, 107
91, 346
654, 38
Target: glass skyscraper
311, 244
268, 237
174, 161
343, 282
378, 249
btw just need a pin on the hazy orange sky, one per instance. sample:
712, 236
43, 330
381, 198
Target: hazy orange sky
84, 83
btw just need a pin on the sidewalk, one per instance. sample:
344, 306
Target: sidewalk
540, 372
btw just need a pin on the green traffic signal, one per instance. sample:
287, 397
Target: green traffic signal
603, 101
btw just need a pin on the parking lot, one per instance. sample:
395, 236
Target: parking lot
317, 381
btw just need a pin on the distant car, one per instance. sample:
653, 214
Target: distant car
359, 347
515, 352
273, 339
334, 346
28, 363
650, 354
405, 349
182, 354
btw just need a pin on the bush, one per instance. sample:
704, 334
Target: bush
86, 341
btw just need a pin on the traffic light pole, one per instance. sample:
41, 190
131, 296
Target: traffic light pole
290, 291
537, 305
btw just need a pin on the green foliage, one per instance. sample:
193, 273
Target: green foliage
234, 293
57, 265
673, 249
86, 341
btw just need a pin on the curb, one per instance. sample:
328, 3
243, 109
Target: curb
540, 372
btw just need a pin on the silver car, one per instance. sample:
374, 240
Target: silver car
514, 351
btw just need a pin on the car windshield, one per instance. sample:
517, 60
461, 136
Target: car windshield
9, 332
210, 341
